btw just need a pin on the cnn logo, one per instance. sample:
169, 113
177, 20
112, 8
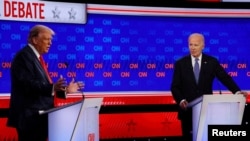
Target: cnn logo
91, 137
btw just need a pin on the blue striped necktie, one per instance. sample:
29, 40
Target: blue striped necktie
196, 70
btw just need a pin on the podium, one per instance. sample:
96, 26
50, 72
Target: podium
216, 109
78, 121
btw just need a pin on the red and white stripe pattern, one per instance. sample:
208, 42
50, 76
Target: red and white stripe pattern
166, 11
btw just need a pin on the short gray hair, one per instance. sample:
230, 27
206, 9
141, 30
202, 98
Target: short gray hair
35, 30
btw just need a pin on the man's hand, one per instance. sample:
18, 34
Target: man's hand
243, 93
74, 86
60, 85
183, 104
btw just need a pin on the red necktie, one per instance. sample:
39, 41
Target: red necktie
45, 68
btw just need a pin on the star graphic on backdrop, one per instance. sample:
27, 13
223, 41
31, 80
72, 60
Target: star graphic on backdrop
56, 13
131, 125
166, 123
72, 14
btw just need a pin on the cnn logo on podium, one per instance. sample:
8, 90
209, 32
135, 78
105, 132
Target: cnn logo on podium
91, 137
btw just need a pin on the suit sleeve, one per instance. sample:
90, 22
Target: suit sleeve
226, 79
28, 78
176, 83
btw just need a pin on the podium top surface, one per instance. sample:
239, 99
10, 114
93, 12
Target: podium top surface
60, 107
218, 98
196, 101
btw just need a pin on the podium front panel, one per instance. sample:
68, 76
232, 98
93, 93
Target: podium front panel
216, 110
75, 122
87, 129
60, 119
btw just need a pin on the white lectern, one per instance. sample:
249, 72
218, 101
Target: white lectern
77, 121
226, 109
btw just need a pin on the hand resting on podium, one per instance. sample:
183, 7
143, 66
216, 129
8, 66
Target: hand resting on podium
244, 93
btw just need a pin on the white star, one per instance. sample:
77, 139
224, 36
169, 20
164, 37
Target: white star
56, 13
72, 14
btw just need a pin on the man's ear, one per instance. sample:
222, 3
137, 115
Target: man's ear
34, 40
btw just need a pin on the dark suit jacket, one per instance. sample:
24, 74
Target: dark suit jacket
30, 89
184, 85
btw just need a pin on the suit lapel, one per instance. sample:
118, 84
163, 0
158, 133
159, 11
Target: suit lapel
190, 71
41, 70
204, 65
37, 64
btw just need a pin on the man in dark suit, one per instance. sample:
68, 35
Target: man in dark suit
185, 87
32, 90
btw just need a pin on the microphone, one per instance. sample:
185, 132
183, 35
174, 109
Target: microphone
79, 83
219, 85
66, 64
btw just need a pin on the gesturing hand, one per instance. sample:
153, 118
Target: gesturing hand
60, 85
74, 86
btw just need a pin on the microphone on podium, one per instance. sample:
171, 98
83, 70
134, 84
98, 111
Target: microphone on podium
75, 87
219, 85
66, 64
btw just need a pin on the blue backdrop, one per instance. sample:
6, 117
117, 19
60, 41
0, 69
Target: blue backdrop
129, 52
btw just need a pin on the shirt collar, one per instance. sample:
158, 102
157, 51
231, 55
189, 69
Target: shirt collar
34, 50
193, 58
